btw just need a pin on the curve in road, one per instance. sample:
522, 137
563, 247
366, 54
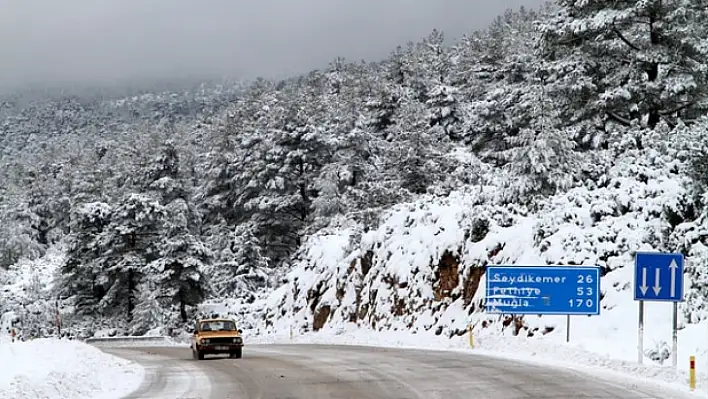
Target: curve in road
352, 372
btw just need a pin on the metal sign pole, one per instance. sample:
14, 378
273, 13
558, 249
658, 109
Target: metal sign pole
674, 336
640, 343
567, 329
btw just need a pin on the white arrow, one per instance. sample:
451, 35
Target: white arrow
644, 287
657, 287
673, 266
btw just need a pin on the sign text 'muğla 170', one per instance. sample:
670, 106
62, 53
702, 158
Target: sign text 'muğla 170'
560, 290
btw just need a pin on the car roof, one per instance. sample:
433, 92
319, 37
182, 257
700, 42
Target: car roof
216, 320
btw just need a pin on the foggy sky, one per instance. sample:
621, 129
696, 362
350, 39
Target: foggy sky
99, 41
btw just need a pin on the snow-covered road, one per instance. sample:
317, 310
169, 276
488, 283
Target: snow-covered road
324, 371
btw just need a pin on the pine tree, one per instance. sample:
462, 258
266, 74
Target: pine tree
242, 269
436, 76
129, 245
419, 160
82, 274
149, 311
628, 61
507, 70
541, 157
180, 270
279, 171
181, 255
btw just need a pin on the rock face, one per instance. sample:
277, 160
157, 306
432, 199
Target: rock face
447, 276
423, 268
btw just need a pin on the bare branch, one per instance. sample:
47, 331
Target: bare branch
619, 119
677, 109
624, 39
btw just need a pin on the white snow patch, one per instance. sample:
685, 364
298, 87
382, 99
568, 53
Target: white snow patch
58, 369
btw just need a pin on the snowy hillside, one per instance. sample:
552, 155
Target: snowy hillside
422, 269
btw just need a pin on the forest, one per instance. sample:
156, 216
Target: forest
161, 200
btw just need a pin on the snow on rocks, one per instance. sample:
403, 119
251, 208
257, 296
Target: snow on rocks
56, 369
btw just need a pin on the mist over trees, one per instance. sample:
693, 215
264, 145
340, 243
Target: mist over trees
162, 200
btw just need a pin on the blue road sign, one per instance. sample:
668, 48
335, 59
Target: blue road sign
551, 290
658, 277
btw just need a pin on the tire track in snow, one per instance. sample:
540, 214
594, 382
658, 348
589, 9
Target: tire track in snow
171, 378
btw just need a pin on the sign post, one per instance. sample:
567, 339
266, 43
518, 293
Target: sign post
658, 277
543, 290
640, 338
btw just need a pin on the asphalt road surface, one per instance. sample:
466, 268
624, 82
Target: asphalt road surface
350, 372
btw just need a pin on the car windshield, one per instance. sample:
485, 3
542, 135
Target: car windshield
217, 326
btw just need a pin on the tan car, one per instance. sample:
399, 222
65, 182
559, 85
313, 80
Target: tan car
216, 336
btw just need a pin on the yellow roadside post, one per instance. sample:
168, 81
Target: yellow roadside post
471, 335
692, 373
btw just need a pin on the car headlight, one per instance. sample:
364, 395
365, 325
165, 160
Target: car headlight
205, 341
237, 340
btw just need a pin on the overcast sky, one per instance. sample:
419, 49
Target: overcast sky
109, 40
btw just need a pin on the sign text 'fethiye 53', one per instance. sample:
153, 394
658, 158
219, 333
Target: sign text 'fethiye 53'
551, 290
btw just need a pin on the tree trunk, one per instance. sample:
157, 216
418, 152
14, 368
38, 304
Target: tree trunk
182, 308
652, 71
131, 288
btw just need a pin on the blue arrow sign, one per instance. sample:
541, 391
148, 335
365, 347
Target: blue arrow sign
658, 277
552, 290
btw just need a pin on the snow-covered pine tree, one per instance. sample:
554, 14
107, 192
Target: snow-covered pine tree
243, 268
330, 201
149, 311
541, 162
624, 61
179, 270
419, 159
541, 157
129, 244
379, 108
691, 143
435, 74
277, 181
233, 163
506, 71
81, 274
181, 255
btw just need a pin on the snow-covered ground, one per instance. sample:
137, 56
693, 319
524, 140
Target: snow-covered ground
63, 369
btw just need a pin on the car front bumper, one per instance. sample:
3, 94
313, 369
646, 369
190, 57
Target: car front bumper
219, 348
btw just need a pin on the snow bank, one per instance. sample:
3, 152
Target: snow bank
56, 369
